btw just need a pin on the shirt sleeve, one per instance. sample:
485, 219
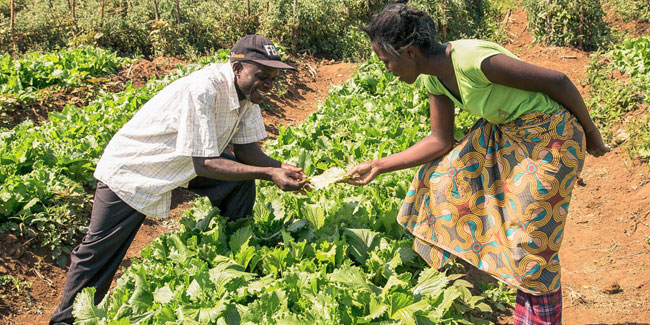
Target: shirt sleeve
197, 124
251, 127
470, 64
432, 85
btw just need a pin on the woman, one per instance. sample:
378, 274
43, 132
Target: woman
499, 198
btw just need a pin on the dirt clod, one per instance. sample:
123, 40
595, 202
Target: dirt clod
612, 288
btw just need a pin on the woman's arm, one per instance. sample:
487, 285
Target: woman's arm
507, 71
428, 149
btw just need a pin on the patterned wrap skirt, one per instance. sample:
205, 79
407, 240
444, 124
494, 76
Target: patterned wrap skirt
499, 199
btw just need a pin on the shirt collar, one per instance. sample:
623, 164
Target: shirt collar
233, 99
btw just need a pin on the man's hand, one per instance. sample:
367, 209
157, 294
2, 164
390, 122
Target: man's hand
595, 145
293, 169
363, 173
289, 179
305, 188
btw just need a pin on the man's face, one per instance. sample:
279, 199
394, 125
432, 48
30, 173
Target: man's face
253, 80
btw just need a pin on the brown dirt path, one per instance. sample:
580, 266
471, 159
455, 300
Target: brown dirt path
605, 256
41, 281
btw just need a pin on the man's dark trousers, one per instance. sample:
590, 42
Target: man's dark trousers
113, 225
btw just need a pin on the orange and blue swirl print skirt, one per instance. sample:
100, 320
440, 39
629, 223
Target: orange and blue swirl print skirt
499, 199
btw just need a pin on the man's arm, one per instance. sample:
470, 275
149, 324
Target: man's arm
252, 154
229, 170
225, 169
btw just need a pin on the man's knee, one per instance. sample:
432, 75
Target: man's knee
240, 203
248, 192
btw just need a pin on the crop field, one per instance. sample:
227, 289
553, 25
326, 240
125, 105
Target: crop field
335, 255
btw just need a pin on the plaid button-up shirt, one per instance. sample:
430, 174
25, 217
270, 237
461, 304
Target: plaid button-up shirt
195, 116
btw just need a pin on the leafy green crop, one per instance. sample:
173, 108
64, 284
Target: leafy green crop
69, 67
334, 256
37, 74
327, 178
619, 86
44, 169
203, 275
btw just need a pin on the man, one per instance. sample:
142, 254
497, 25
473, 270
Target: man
177, 139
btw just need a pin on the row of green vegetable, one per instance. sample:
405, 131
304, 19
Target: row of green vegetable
619, 100
46, 170
38, 75
333, 256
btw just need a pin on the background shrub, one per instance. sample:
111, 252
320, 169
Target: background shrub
568, 22
325, 28
632, 9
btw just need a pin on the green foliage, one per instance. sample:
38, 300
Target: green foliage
619, 85
37, 27
194, 277
69, 68
568, 23
44, 169
202, 26
333, 256
17, 285
499, 296
38, 74
303, 30
632, 9
458, 19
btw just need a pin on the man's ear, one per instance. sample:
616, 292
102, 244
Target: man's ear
237, 67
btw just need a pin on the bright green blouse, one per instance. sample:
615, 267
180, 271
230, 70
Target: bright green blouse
496, 103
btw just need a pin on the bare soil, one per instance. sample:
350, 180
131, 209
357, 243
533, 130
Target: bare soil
606, 251
39, 281
605, 255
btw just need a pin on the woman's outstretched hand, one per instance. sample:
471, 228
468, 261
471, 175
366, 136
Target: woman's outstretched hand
363, 173
595, 145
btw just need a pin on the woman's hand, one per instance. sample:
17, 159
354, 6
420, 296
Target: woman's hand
363, 173
595, 145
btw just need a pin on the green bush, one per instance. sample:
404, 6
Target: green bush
568, 22
632, 9
326, 28
619, 82
304, 30
458, 19
37, 27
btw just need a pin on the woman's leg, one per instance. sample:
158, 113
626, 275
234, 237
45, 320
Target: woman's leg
538, 310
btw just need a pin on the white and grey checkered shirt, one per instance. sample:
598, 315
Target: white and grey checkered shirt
195, 116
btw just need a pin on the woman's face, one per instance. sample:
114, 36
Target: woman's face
402, 66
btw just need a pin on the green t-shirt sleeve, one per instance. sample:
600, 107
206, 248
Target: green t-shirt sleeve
476, 52
432, 85
471, 65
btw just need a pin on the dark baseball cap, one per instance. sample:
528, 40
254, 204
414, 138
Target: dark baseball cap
259, 49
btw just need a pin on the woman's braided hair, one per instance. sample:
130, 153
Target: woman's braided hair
398, 26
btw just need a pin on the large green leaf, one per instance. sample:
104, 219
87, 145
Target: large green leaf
84, 308
353, 278
361, 241
431, 283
